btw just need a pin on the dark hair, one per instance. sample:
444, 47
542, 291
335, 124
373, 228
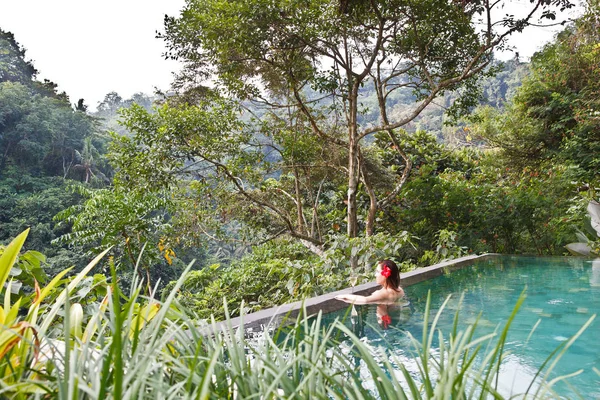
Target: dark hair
393, 280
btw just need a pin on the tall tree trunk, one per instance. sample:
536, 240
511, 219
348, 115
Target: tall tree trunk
353, 165
353, 179
353, 158
315, 229
373, 206
301, 226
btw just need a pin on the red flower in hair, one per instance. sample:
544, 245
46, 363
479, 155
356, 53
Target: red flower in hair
386, 271
386, 320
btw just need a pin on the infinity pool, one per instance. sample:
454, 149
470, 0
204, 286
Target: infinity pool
562, 293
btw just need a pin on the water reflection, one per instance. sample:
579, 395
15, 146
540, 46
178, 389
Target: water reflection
595, 275
388, 314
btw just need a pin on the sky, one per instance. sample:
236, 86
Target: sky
90, 48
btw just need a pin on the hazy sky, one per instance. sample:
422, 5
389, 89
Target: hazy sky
90, 48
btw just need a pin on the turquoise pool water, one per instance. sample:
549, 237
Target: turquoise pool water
562, 293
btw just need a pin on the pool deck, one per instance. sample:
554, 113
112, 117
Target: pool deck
326, 303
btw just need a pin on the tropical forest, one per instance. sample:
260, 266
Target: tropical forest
302, 142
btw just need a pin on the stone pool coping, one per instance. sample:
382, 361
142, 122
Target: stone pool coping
276, 316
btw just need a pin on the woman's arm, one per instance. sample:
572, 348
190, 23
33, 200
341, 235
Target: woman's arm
376, 296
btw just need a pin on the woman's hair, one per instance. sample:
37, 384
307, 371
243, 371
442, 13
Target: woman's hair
393, 280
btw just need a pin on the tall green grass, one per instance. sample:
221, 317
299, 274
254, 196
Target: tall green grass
139, 348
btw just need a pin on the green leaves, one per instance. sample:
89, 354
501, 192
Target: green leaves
491, 205
27, 271
367, 250
9, 256
40, 133
551, 117
123, 219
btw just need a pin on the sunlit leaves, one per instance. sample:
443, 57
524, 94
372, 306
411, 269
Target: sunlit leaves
164, 145
123, 219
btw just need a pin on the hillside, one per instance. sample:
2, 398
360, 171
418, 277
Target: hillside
46, 144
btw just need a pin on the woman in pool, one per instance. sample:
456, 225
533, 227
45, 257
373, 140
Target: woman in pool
388, 276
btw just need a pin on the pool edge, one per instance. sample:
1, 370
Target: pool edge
278, 315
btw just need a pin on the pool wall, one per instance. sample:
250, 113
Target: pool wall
326, 303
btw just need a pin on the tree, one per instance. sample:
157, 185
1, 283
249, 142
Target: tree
140, 99
40, 134
130, 222
87, 161
13, 67
39, 131
80, 106
270, 176
111, 103
287, 53
554, 115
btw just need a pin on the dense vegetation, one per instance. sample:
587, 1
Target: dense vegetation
45, 144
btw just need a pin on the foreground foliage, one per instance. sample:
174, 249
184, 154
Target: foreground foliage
139, 348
